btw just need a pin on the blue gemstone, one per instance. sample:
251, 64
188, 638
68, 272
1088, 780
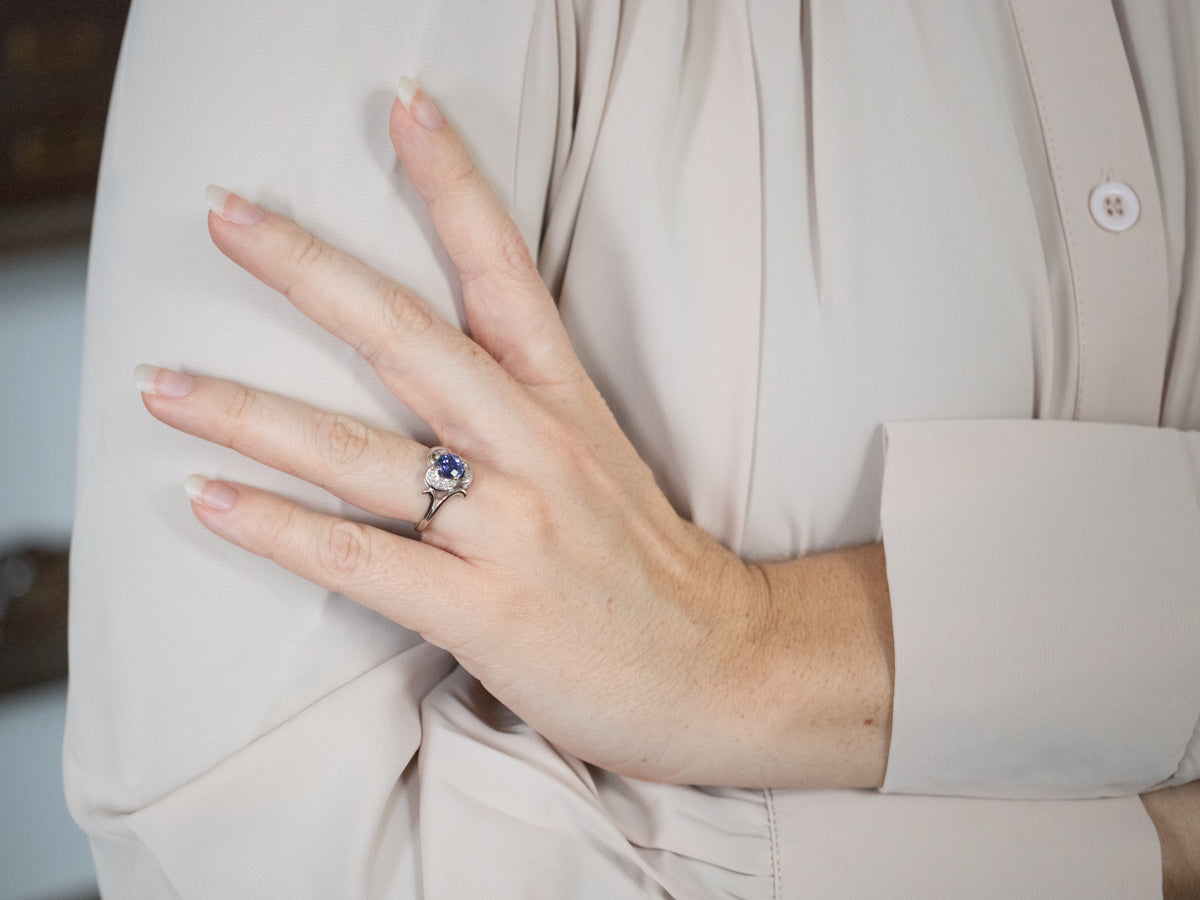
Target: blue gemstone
450, 466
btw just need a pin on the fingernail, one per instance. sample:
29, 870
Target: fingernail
213, 494
417, 102
231, 207
162, 382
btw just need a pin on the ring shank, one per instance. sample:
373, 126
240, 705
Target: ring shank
436, 499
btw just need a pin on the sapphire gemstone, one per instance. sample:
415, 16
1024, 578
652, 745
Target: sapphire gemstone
450, 466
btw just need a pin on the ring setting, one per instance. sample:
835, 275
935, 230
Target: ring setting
448, 475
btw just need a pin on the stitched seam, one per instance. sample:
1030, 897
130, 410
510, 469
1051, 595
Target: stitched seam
1063, 211
1193, 461
773, 833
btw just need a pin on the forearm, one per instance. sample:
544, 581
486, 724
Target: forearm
822, 669
1176, 815
833, 669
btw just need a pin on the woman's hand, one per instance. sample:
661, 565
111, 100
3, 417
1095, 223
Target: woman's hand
564, 581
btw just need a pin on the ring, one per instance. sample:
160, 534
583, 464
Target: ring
446, 476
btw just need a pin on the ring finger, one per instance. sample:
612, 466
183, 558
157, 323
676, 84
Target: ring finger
333, 451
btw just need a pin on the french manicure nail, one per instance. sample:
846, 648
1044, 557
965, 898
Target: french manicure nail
162, 382
417, 102
213, 494
232, 207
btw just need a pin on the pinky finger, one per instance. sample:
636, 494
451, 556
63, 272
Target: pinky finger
411, 583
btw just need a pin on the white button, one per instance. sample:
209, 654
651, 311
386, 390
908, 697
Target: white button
1114, 206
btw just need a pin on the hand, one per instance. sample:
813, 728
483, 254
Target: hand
563, 581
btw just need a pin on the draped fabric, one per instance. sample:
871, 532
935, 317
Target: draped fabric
830, 264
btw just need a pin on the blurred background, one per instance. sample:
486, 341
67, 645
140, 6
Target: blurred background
57, 59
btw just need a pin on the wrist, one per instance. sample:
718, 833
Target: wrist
1175, 812
813, 689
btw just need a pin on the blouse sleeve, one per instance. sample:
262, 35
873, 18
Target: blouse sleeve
227, 720
1045, 584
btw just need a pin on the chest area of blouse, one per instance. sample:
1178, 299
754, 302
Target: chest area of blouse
861, 219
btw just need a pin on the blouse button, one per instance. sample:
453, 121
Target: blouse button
1114, 206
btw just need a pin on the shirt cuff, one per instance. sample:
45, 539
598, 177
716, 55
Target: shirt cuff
1044, 585
859, 844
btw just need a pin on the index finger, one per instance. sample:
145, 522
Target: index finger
509, 308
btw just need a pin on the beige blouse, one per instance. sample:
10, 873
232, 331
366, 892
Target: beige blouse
844, 269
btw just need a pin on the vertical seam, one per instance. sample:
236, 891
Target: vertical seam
1064, 214
1193, 461
773, 833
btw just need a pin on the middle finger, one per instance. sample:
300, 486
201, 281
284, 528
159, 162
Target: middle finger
333, 451
436, 370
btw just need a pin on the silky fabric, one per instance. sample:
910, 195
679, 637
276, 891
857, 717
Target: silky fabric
829, 264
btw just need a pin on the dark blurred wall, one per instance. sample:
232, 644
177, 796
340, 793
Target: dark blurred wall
57, 60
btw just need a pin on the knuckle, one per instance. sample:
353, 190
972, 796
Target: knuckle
462, 174
239, 410
405, 314
308, 252
341, 440
275, 532
501, 259
514, 257
344, 548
